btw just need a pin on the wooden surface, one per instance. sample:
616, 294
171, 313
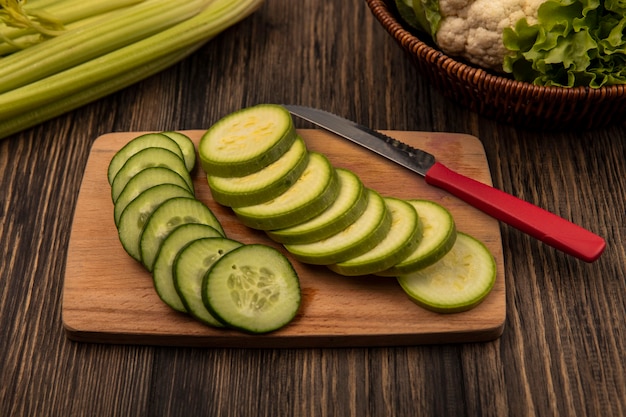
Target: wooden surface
108, 297
562, 352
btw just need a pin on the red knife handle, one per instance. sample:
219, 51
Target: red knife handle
535, 221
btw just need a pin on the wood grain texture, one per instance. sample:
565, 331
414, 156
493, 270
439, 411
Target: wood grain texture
563, 350
108, 297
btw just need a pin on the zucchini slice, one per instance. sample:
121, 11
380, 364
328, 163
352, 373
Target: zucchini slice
163, 270
403, 236
166, 217
148, 140
359, 237
438, 237
147, 158
137, 213
457, 282
264, 184
190, 267
313, 192
246, 141
253, 288
143, 180
350, 203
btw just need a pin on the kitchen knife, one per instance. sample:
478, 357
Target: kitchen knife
535, 221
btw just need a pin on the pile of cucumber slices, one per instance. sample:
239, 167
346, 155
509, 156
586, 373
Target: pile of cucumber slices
258, 165
196, 269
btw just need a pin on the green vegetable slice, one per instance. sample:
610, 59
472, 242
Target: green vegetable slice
359, 237
253, 288
246, 141
403, 236
312, 193
350, 203
143, 180
190, 267
149, 140
166, 217
263, 185
438, 237
458, 282
163, 271
137, 213
186, 146
147, 158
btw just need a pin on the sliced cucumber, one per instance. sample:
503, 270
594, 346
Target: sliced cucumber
186, 146
138, 211
166, 217
149, 140
246, 141
147, 158
163, 271
312, 193
359, 237
350, 203
264, 184
438, 237
191, 266
403, 236
253, 288
143, 180
457, 282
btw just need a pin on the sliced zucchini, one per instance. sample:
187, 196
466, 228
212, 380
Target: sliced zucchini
438, 237
166, 217
253, 288
246, 141
137, 212
191, 266
148, 140
403, 236
263, 185
457, 282
163, 270
350, 203
143, 180
312, 193
359, 237
147, 158
186, 146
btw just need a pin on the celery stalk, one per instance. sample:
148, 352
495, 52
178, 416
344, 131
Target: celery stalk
86, 43
66, 104
50, 91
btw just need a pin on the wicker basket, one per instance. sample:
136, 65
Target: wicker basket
500, 98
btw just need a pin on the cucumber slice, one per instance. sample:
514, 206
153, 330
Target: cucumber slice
403, 236
438, 237
264, 184
253, 288
186, 146
458, 282
137, 213
190, 267
143, 180
312, 193
359, 237
166, 217
147, 158
149, 140
350, 203
163, 270
246, 141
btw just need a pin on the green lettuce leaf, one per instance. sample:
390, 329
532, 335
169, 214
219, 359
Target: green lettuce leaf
574, 43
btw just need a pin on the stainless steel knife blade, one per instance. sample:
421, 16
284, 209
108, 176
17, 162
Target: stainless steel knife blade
537, 222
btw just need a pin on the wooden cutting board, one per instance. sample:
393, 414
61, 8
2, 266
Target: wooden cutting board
109, 298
